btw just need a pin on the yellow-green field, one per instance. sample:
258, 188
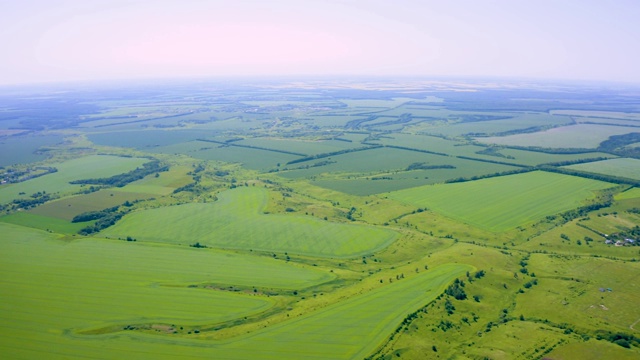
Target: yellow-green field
505, 202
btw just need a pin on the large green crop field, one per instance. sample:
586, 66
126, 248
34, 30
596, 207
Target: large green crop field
623, 167
236, 221
47, 298
587, 136
113, 283
503, 203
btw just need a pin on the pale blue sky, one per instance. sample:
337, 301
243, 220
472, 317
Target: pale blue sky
53, 40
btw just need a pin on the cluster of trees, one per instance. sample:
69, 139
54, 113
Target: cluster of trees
355, 124
456, 290
622, 339
94, 215
102, 223
492, 151
123, 179
603, 200
416, 150
35, 199
425, 166
402, 119
617, 144
12, 176
104, 218
600, 177
491, 161
228, 143
335, 153
478, 177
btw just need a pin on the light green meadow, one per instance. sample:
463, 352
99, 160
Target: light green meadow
623, 167
236, 221
503, 203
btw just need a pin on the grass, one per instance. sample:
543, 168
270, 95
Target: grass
574, 136
235, 221
594, 350
43, 222
633, 193
503, 203
622, 167
552, 241
48, 299
94, 166
569, 292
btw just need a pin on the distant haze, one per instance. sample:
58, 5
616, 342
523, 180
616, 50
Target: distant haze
58, 40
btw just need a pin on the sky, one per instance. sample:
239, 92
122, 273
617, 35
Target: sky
64, 40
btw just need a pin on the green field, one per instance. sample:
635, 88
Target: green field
22, 149
623, 167
113, 283
95, 166
629, 194
503, 203
462, 148
43, 222
575, 136
69, 207
48, 299
390, 161
236, 221
517, 122
250, 158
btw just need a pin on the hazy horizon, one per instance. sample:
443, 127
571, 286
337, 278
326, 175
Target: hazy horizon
60, 41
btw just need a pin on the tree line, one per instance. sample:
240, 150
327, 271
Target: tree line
123, 179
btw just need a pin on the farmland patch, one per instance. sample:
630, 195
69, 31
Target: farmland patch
503, 203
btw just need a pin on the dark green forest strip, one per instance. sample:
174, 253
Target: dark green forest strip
335, 153
232, 143
588, 175
142, 120
131, 176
